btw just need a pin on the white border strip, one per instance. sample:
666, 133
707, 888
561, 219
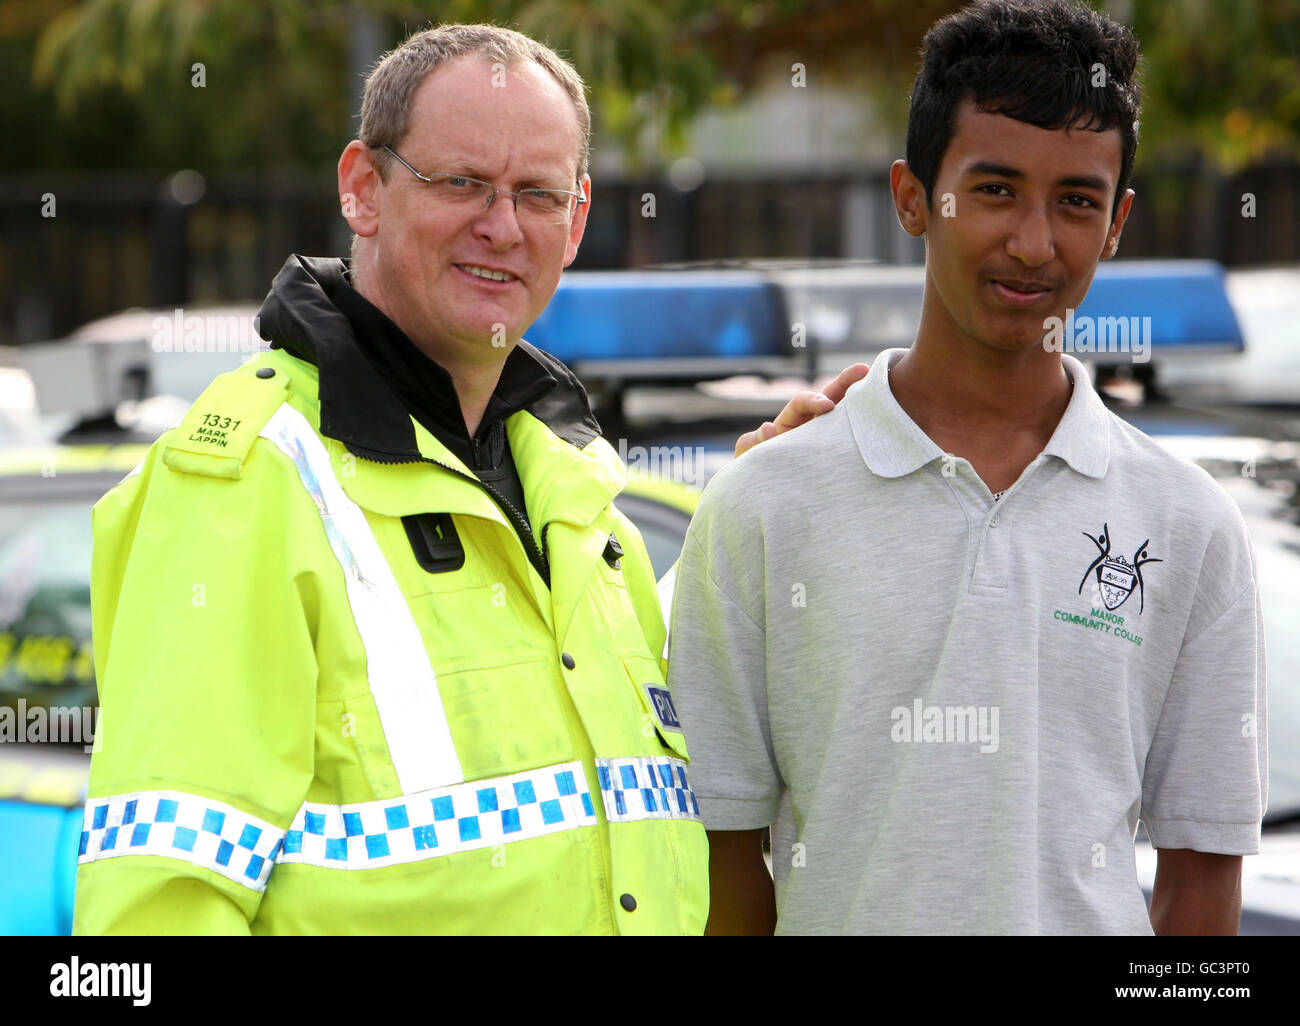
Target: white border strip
666, 587
401, 677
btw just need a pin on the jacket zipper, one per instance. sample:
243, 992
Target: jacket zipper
536, 554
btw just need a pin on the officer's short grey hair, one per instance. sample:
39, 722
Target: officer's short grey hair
391, 84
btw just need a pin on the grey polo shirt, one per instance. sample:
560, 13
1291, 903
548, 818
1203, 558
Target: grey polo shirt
953, 711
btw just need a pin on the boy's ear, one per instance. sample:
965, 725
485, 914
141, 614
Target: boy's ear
909, 198
1117, 226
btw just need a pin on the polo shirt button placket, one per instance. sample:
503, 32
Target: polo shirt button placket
991, 563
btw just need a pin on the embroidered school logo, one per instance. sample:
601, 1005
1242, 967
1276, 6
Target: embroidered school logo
1117, 577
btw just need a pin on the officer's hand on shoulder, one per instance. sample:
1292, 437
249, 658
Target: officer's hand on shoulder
804, 407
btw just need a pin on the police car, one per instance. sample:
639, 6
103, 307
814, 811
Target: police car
1137, 314
48, 704
1263, 478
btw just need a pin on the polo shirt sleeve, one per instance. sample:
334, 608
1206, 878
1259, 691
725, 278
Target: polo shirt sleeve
717, 669
1206, 780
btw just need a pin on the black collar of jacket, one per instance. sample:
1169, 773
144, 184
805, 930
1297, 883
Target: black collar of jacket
358, 406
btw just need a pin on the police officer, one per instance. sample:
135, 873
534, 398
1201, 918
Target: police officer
376, 651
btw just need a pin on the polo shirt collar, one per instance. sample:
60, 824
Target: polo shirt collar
892, 445
890, 441
1082, 438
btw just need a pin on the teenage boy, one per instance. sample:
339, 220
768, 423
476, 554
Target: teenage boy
955, 638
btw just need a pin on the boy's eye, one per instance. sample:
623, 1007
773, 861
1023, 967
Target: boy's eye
1082, 202
994, 185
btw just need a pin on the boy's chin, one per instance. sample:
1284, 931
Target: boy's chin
1016, 343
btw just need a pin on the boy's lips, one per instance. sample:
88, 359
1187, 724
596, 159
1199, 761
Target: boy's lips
1020, 292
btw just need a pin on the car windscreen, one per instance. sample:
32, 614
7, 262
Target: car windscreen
45, 630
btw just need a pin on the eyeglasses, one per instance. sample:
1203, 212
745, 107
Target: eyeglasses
533, 204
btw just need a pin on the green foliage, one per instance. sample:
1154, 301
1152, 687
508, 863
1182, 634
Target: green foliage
111, 80
1222, 79
144, 58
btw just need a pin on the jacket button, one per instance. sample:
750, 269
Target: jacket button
628, 902
266, 372
567, 660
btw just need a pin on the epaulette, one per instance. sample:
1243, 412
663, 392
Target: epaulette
217, 433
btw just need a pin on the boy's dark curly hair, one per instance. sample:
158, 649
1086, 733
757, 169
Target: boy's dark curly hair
1032, 60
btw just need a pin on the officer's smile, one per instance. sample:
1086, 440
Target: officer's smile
488, 273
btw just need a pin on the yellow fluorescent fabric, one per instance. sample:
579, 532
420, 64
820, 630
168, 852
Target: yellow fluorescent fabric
247, 779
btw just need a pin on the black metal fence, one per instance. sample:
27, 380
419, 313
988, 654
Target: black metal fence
78, 248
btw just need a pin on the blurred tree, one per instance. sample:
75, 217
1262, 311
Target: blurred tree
1220, 78
161, 82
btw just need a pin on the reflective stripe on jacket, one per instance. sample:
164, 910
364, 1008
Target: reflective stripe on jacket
303, 730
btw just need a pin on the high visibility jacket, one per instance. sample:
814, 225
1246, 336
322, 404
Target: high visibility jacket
306, 730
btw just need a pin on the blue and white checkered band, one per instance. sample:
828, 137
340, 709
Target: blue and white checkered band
477, 814
370, 835
183, 826
646, 788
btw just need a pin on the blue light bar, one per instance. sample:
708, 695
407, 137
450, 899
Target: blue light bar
638, 315
1185, 299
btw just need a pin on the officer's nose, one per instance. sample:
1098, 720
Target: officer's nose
498, 224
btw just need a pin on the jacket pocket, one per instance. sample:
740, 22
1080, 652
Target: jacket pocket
505, 718
659, 712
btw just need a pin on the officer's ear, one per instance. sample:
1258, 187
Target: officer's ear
359, 185
579, 223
